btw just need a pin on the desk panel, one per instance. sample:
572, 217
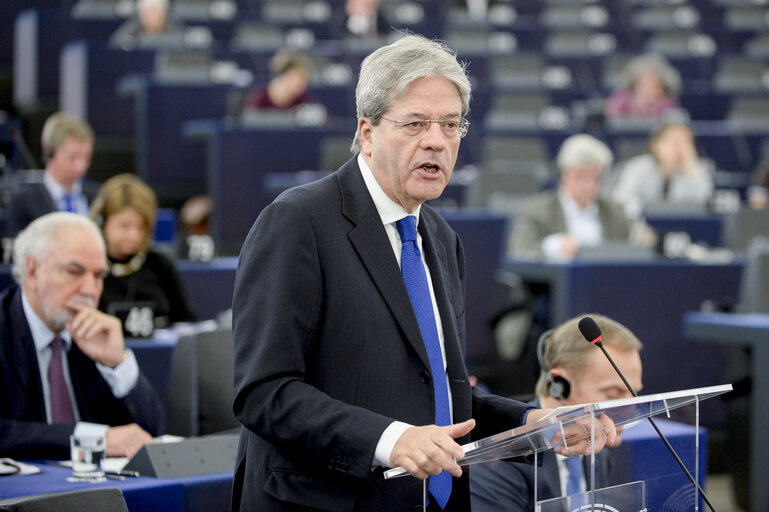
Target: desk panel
744, 331
143, 494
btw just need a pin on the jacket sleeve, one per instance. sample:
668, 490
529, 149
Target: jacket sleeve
278, 309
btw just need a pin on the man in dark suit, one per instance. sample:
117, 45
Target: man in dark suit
67, 147
554, 225
342, 368
64, 367
572, 372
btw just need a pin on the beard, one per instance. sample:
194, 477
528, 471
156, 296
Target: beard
58, 317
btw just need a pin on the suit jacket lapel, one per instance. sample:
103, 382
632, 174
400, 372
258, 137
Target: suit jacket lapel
24, 356
369, 239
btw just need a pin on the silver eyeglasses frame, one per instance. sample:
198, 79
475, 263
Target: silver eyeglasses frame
424, 125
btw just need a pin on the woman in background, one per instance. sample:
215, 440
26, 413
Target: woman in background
125, 209
648, 88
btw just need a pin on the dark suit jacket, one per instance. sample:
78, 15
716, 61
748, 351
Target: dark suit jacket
31, 201
543, 216
507, 486
23, 429
328, 352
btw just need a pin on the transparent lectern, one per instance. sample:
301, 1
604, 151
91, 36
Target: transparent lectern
571, 424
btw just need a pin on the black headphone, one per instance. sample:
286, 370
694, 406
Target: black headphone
557, 387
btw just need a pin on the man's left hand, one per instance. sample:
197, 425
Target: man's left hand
578, 434
99, 336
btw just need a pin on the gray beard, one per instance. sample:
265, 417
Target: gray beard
59, 318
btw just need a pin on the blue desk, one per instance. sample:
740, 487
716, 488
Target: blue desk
187, 494
745, 331
643, 456
209, 284
650, 298
701, 228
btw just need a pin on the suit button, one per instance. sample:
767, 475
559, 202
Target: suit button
425, 377
418, 508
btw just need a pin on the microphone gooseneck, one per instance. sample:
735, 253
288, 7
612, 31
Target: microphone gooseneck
592, 333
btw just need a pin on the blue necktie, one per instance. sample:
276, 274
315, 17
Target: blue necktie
69, 204
416, 283
574, 483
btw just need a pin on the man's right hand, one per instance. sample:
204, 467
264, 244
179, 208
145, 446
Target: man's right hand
428, 450
126, 440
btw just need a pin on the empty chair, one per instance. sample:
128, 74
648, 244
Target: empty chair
295, 11
519, 111
757, 46
516, 71
574, 16
682, 44
182, 66
580, 44
101, 9
503, 192
739, 230
751, 18
334, 151
103, 500
256, 36
754, 283
666, 17
511, 154
749, 113
740, 75
200, 389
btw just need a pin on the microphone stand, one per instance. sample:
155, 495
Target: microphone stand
654, 424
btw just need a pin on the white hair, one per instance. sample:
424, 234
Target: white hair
35, 240
583, 149
387, 72
143, 4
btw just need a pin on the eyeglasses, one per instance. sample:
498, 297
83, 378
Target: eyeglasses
451, 128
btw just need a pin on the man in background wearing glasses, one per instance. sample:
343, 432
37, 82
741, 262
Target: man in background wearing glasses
348, 314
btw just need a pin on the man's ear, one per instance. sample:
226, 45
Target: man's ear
366, 134
31, 267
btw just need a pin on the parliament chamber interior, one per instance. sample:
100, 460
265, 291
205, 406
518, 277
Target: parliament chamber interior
171, 111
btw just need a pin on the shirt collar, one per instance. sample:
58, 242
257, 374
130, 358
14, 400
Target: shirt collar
389, 210
57, 191
41, 333
570, 205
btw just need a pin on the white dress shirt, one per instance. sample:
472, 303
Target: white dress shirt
584, 224
391, 212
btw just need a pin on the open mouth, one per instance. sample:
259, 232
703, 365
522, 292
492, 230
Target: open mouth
430, 169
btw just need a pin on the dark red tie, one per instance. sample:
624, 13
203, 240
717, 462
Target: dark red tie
61, 405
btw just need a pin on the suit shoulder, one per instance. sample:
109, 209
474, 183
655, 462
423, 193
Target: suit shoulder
541, 201
316, 193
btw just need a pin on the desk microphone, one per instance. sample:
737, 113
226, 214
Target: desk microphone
592, 333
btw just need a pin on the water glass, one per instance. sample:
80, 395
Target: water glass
87, 453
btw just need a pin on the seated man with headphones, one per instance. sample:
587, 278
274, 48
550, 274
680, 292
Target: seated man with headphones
67, 143
573, 371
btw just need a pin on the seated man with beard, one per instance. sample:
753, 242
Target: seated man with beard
64, 367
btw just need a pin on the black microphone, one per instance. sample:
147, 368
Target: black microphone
592, 333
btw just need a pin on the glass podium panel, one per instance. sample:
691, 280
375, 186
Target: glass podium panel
570, 424
620, 498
